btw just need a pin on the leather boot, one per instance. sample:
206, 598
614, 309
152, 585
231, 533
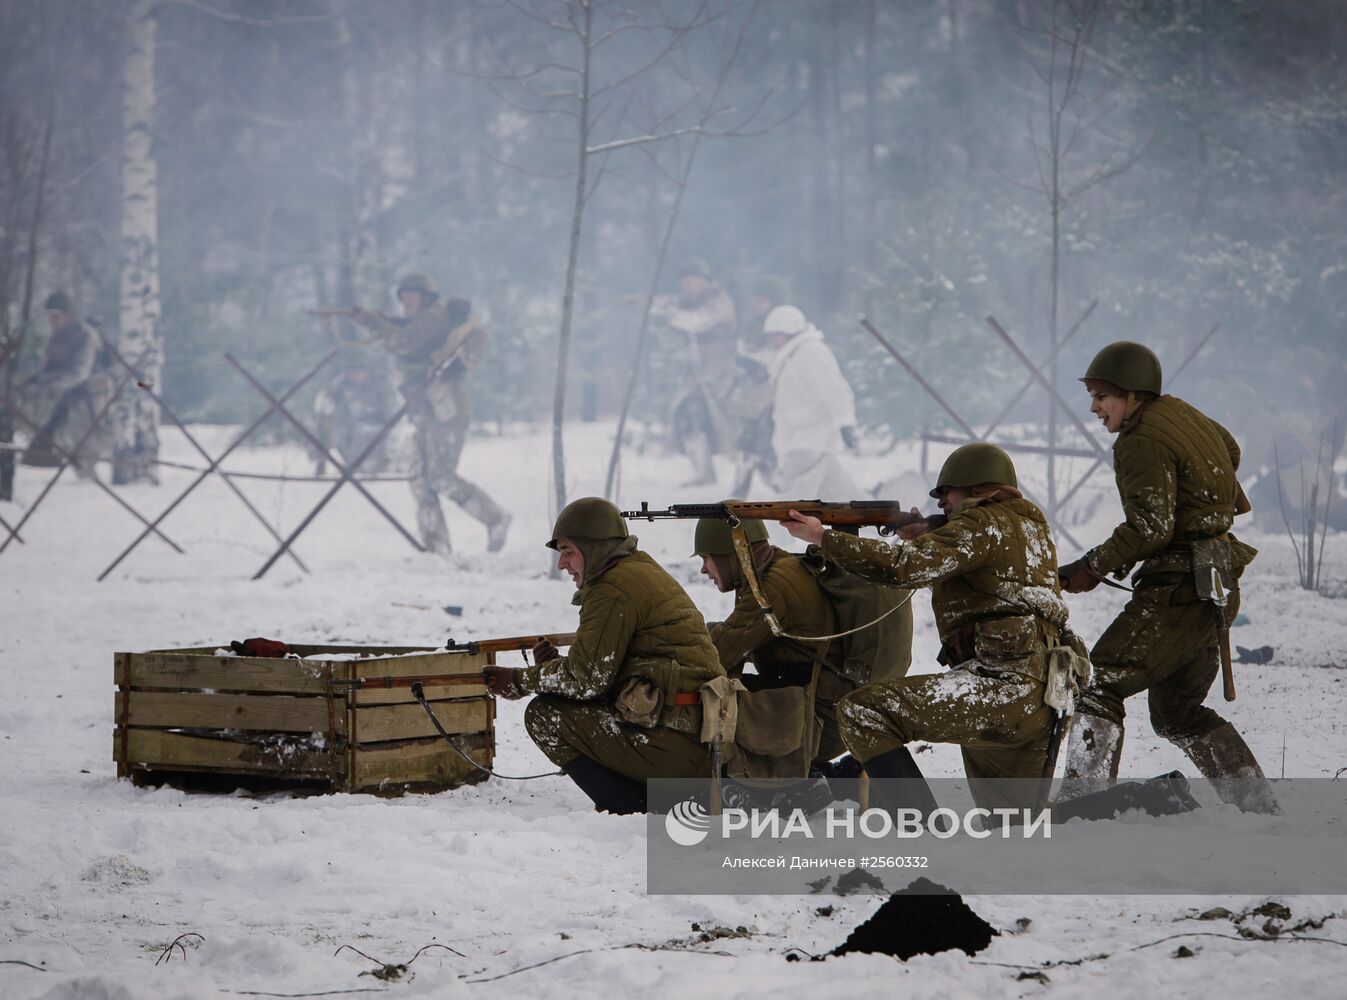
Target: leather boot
1163, 795
610, 792
1093, 749
896, 782
1224, 759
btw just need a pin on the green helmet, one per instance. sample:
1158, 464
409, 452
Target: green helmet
589, 517
697, 266
1128, 365
418, 283
975, 464
59, 301
713, 535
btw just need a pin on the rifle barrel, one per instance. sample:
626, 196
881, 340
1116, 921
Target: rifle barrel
520, 642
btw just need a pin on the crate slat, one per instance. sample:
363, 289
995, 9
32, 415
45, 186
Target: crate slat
157, 748
430, 762
220, 673
194, 710
381, 723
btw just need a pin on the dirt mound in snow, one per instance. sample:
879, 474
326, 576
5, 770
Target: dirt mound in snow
923, 919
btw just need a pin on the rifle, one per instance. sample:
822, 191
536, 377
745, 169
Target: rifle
520, 643
472, 647
849, 515
329, 313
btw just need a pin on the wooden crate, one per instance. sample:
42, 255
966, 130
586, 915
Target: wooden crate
189, 717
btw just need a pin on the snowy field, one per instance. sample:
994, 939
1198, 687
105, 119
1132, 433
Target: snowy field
534, 893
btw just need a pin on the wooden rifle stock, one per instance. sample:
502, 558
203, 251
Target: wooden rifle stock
519, 642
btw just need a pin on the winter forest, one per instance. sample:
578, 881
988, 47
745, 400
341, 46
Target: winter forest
956, 203
199, 174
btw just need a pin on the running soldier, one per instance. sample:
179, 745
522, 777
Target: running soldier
1176, 474
436, 346
68, 391
622, 706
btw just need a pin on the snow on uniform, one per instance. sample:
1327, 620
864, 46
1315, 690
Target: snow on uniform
811, 403
1176, 474
992, 571
636, 623
440, 416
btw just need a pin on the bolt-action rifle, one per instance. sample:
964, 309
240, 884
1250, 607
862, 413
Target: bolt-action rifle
849, 515
523, 643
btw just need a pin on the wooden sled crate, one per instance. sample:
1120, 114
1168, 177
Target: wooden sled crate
191, 718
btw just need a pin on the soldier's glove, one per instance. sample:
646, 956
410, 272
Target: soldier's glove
543, 650
1078, 577
505, 682
849, 438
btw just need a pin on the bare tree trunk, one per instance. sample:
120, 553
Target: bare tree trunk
135, 416
572, 259
26, 309
361, 238
871, 214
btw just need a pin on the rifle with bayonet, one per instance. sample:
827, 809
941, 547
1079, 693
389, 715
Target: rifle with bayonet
849, 515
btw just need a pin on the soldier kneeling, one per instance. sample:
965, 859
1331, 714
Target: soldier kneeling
992, 570
622, 706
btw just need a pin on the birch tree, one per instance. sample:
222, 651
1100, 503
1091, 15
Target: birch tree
135, 415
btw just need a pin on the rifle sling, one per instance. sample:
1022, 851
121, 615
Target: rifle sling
745, 555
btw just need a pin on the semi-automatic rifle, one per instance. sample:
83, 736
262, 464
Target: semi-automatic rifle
849, 515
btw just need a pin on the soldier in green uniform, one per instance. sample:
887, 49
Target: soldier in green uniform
992, 570
795, 596
622, 705
436, 345
1176, 474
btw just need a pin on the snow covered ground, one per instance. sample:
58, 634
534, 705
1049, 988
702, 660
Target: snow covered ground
97, 877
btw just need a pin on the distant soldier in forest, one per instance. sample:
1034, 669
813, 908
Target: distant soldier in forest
1176, 473
69, 390
436, 345
702, 316
622, 706
813, 410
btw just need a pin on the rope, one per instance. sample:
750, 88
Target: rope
419, 694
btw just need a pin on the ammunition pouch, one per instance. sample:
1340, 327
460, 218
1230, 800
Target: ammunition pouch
640, 702
1015, 643
776, 737
650, 693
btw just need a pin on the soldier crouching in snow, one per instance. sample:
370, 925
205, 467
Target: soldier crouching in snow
992, 570
622, 706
